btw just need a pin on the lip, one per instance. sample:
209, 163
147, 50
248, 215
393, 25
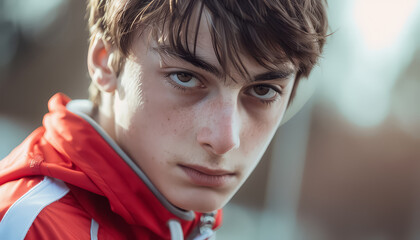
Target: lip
207, 177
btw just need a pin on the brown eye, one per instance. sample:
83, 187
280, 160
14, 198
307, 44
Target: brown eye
264, 92
184, 80
261, 90
184, 77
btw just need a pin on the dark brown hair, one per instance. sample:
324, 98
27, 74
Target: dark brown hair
271, 32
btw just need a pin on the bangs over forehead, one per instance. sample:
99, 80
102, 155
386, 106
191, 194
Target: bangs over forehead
232, 38
270, 32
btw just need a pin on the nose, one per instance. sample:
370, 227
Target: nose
220, 129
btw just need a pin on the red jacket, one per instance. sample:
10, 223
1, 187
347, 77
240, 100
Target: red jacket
67, 180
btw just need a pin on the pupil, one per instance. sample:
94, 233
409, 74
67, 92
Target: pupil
183, 77
261, 90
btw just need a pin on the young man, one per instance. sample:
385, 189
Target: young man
186, 96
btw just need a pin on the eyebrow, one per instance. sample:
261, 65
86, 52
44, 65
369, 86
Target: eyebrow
278, 74
282, 74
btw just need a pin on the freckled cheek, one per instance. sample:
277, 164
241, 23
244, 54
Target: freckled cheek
172, 120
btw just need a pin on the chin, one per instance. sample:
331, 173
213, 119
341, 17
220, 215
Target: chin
201, 202
202, 207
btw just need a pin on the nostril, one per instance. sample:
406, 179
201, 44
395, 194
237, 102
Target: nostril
206, 145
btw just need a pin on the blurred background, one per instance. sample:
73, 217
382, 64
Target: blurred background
346, 166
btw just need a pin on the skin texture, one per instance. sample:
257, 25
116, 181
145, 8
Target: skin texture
196, 135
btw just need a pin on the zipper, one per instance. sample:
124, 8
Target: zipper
205, 228
207, 222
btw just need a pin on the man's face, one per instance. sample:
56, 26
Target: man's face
195, 135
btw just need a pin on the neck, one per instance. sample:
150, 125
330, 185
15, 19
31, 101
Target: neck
104, 114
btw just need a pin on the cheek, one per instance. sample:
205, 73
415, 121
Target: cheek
129, 98
258, 134
161, 118
170, 120
262, 124
254, 144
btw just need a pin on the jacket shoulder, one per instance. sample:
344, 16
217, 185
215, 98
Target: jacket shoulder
41, 208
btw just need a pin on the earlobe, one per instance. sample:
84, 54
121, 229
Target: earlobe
100, 68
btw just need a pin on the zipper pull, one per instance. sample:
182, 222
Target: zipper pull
207, 221
204, 229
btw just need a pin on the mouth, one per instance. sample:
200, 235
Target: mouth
207, 177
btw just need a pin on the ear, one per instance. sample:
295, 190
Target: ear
99, 60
